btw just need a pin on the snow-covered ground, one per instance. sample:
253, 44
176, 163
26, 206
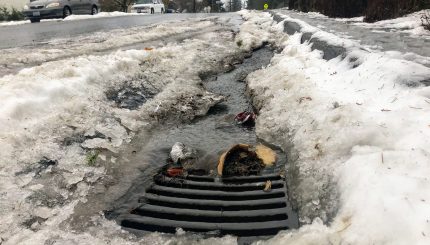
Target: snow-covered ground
357, 133
63, 122
356, 128
22, 22
403, 36
101, 15
75, 17
14, 59
410, 23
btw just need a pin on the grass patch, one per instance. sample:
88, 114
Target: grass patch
92, 157
239, 43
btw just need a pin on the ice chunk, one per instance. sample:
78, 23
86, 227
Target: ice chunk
182, 152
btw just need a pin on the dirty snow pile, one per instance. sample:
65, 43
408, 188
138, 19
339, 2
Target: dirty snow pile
357, 133
13, 59
317, 15
100, 15
65, 123
257, 30
411, 24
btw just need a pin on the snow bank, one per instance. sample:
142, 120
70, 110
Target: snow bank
257, 30
22, 22
345, 37
331, 38
14, 59
75, 17
357, 135
101, 15
409, 24
62, 128
12, 23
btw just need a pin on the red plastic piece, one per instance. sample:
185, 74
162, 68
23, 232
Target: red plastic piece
175, 171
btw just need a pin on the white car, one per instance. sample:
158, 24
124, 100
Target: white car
148, 6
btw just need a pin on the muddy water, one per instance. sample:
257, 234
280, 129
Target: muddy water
215, 132
210, 135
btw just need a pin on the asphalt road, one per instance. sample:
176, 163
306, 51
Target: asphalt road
33, 34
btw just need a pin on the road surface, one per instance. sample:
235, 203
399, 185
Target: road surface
30, 34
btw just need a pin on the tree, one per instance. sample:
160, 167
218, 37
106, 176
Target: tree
194, 5
384, 9
4, 13
273, 4
12, 14
16, 15
233, 5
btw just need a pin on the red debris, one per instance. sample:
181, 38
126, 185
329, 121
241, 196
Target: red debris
175, 171
246, 118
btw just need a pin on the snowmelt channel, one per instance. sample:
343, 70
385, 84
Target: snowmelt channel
210, 134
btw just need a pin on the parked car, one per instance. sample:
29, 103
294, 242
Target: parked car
48, 9
148, 6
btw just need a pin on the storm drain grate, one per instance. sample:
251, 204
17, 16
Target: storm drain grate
236, 206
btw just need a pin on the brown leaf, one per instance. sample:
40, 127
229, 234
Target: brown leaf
268, 186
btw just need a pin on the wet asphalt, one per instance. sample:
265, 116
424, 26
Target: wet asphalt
34, 34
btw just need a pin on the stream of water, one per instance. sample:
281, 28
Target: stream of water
210, 135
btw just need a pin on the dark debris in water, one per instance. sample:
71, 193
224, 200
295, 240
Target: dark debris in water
218, 109
241, 162
130, 96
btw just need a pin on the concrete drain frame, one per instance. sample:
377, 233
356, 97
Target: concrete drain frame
220, 206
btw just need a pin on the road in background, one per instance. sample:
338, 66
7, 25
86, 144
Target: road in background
30, 34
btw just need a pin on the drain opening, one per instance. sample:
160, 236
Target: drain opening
239, 206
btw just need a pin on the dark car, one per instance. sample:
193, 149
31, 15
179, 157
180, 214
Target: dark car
48, 9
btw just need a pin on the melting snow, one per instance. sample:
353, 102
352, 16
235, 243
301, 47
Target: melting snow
58, 123
411, 24
75, 17
357, 137
356, 130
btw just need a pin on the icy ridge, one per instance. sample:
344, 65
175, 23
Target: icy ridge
403, 38
357, 134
